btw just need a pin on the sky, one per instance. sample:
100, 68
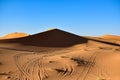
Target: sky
81, 17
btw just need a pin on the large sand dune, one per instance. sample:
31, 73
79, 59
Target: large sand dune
59, 55
50, 38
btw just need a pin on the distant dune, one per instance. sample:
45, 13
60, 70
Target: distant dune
14, 35
59, 55
112, 37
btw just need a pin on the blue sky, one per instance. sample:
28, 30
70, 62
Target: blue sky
82, 17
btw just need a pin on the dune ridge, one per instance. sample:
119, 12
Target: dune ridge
50, 38
14, 35
112, 37
59, 55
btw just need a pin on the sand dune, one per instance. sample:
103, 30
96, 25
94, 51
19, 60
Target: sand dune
14, 35
112, 37
50, 38
58, 55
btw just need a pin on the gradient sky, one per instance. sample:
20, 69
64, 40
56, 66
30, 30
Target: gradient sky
82, 17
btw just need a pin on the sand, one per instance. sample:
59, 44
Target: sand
59, 55
112, 38
14, 35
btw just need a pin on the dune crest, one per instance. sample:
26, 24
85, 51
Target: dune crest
51, 38
14, 35
113, 37
59, 55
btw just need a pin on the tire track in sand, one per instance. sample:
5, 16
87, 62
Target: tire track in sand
33, 69
88, 67
66, 71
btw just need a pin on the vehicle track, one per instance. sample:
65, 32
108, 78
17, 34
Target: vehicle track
33, 69
42, 69
36, 65
88, 67
67, 71
16, 57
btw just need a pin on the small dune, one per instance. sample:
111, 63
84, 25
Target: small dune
14, 35
112, 37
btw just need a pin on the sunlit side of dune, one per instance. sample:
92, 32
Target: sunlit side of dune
14, 35
112, 37
59, 55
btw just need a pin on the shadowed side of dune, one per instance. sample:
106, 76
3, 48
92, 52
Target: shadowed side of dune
50, 38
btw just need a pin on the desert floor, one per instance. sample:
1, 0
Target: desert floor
91, 60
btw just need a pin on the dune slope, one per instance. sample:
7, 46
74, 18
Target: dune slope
14, 35
112, 37
50, 38
58, 55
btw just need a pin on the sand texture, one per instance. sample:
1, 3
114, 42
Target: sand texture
59, 55
14, 35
